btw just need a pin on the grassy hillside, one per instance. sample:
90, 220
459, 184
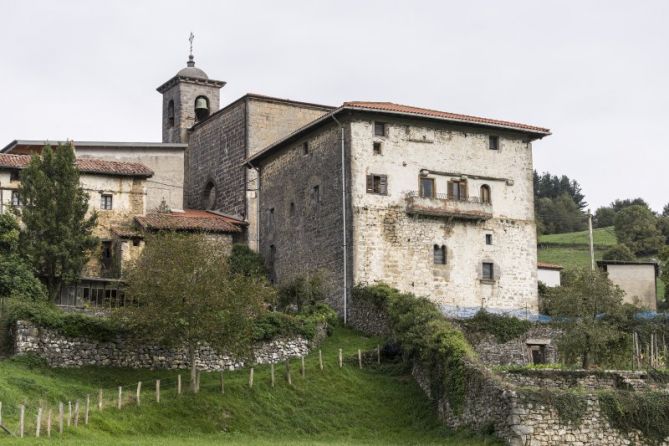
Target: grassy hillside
602, 237
334, 406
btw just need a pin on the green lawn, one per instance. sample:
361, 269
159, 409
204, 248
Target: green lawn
374, 406
600, 236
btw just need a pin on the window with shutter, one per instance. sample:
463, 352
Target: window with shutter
485, 194
487, 271
379, 128
439, 254
377, 184
493, 142
427, 188
457, 190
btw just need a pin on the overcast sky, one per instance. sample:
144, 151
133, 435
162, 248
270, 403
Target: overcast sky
594, 72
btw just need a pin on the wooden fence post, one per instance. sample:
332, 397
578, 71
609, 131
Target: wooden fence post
288, 378
0, 413
22, 414
39, 422
320, 359
251, 378
341, 359
76, 413
222, 383
139, 391
359, 359
178, 384
69, 413
60, 418
157, 391
88, 408
378, 354
48, 424
271, 373
303, 371
100, 399
119, 405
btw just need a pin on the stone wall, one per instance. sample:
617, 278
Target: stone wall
60, 351
368, 317
515, 351
585, 379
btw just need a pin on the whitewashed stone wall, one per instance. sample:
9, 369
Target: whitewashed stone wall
395, 247
60, 351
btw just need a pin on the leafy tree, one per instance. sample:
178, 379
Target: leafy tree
245, 261
16, 278
578, 306
664, 257
619, 205
663, 226
559, 214
604, 217
58, 235
619, 252
552, 186
190, 299
665, 210
636, 227
303, 292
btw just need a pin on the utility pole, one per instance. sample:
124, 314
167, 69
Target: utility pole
592, 244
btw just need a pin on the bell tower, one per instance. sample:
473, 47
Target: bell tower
188, 98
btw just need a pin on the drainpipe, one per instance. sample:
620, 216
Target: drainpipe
343, 213
257, 169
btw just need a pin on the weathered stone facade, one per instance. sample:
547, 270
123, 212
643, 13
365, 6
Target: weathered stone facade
60, 351
518, 351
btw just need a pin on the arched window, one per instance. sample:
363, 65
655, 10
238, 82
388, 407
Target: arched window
209, 196
439, 254
485, 194
201, 108
170, 114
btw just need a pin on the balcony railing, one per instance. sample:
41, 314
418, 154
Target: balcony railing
470, 208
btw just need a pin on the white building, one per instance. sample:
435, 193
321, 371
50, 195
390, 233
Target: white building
549, 274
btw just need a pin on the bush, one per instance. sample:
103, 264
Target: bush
302, 292
620, 253
643, 411
246, 262
276, 324
504, 328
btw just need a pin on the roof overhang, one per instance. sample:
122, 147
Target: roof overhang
9, 148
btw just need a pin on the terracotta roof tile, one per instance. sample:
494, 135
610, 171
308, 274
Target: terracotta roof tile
398, 108
189, 220
85, 165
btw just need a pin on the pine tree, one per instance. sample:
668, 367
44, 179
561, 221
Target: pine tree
57, 238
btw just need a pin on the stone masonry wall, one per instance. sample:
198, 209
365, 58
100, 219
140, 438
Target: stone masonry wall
60, 351
515, 351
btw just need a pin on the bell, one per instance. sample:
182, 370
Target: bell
201, 104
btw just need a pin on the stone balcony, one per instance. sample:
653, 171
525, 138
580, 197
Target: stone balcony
442, 206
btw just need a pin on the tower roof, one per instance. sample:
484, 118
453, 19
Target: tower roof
191, 70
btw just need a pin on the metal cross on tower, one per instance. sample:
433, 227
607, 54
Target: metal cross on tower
190, 39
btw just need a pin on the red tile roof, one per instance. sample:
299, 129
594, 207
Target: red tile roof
545, 265
85, 165
406, 109
190, 220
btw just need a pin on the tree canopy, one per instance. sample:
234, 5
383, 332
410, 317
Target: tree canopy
558, 204
16, 277
191, 299
619, 252
636, 227
57, 238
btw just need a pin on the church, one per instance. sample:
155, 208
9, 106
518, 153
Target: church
434, 203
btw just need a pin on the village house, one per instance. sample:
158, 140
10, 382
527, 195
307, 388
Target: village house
637, 279
549, 274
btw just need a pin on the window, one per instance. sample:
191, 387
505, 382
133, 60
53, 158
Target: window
106, 202
16, 198
209, 196
316, 194
270, 218
135, 241
457, 190
439, 254
377, 148
487, 271
305, 148
485, 194
14, 175
379, 128
427, 187
170, 114
488, 239
292, 209
377, 184
493, 142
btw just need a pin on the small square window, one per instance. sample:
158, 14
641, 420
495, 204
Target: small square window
487, 271
377, 184
305, 148
493, 142
377, 148
135, 242
379, 128
106, 202
488, 239
16, 198
14, 175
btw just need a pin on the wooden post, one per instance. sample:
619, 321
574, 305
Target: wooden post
88, 408
341, 359
39, 422
69, 413
76, 413
302, 368
0, 413
359, 358
139, 391
100, 399
178, 384
22, 414
378, 354
48, 424
320, 359
119, 404
157, 391
288, 378
60, 418
222, 383
271, 373
251, 378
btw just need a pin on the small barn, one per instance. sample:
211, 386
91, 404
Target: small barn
637, 279
549, 274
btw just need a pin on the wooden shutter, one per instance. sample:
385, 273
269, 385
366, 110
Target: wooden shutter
370, 184
383, 184
451, 187
463, 190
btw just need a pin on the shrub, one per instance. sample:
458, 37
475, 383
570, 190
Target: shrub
619, 252
504, 328
243, 260
643, 411
275, 324
302, 292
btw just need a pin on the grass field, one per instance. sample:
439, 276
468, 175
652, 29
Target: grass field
373, 406
601, 237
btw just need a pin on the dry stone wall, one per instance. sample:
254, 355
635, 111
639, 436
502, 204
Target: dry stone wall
60, 351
